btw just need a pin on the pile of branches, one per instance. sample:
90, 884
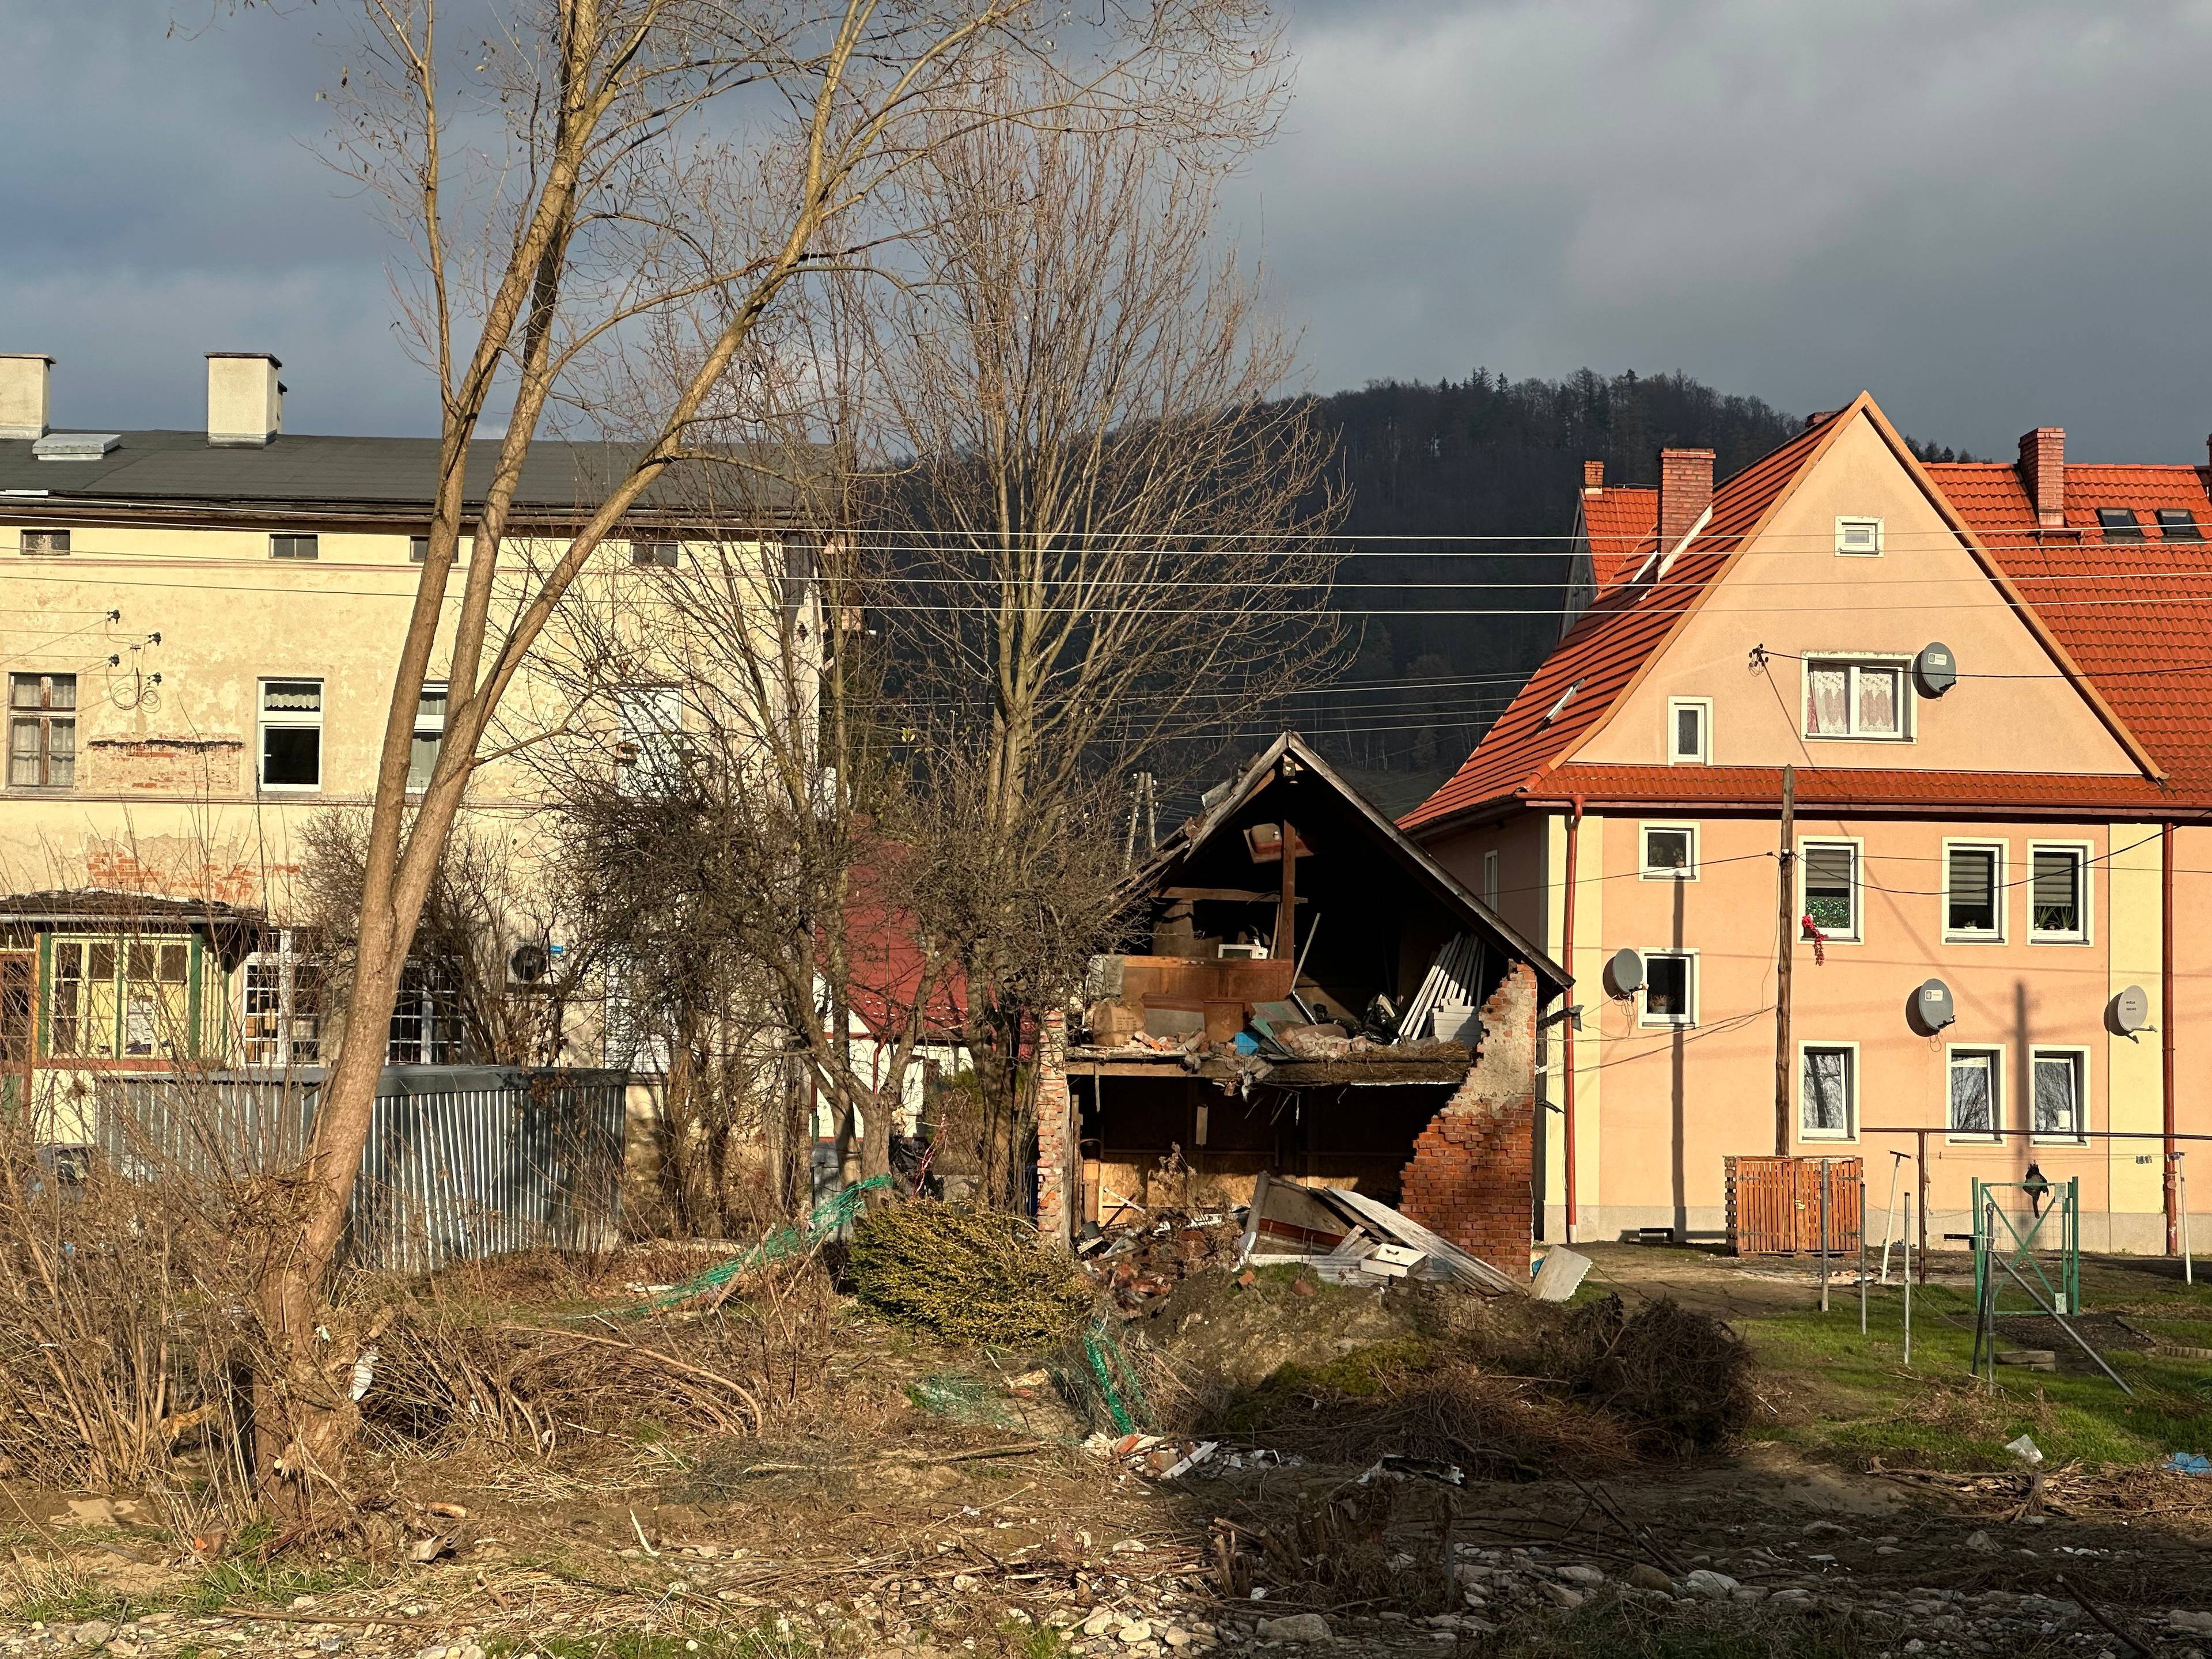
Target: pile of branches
969, 1275
1680, 1381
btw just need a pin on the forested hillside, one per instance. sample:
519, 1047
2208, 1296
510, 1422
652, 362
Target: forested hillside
1425, 467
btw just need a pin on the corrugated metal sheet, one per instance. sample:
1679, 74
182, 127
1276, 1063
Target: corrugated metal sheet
462, 1162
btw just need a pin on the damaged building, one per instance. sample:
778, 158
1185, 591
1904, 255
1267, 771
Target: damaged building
1320, 1002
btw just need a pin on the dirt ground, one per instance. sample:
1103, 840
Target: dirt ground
942, 1502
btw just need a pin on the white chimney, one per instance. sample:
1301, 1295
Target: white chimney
246, 400
24, 376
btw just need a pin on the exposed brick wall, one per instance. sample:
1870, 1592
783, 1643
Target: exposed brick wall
162, 765
175, 866
1473, 1176
2043, 472
1056, 1131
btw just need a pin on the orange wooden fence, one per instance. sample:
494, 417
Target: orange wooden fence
1774, 1206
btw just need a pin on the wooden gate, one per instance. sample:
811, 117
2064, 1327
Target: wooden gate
1774, 1206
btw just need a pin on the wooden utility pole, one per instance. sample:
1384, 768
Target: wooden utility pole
1786, 905
1287, 912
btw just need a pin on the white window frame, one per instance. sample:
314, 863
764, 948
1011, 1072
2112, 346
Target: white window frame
1996, 1053
422, 728
287, 719
2085, 856
1846, 522
1851, 1131
1703, 706
1490, 862
1854, 661
1857, 846
1998, 891
2080, 1056
288, 958
1668, 1021
1643, 866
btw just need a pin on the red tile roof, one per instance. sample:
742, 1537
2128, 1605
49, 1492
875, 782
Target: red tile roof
1622, 521
2134, 617
1606, 650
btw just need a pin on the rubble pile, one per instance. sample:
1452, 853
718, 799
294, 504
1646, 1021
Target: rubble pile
1140, 1265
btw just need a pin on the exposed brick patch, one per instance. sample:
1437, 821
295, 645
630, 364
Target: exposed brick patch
175, 866
1056, 1164
163, 766
1474, 1170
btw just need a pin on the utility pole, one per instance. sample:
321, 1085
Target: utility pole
1786, 905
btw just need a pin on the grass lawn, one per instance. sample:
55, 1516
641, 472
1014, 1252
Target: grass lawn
1839, 1391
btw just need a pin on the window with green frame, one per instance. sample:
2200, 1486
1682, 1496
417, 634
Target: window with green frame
121, 997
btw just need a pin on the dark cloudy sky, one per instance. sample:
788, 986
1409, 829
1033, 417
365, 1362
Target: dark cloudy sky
1991, 213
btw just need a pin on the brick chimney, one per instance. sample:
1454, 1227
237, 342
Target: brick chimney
2042, 473
1593, 478
23, 382
1685, 490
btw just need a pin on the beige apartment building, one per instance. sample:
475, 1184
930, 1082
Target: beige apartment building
1990, 686
198, 632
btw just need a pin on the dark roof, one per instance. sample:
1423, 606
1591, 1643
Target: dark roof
305, 470
1223, 802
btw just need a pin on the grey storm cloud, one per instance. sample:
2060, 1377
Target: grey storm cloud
1984, 211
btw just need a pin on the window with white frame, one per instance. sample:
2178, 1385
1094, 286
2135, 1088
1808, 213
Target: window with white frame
425, 1027
648, 748
1858, 537
1973, 889
1848, 698
1828, 874
2058, 894
429, 734
1670, 988
2061, 1093
1828, 1090
281, 1016
1689, 730
1489, 879
1977, 1087
1670, 851
291, 734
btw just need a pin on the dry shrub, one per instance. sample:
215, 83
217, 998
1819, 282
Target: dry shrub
1351, 1551
1679, 1381
969, 1275
1406, 1397
448, 1375
125, 1325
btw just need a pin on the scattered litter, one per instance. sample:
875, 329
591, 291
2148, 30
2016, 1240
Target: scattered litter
2189, 1464
2024, 1450
1190, 1460
1421, 1468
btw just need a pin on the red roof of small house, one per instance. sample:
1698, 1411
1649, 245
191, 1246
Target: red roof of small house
1622, 523
2130, 620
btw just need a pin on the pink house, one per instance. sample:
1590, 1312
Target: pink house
1991, 686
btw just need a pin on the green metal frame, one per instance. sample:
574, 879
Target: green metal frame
2065, 1208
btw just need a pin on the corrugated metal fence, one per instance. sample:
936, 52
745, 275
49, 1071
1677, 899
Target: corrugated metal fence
462, 1161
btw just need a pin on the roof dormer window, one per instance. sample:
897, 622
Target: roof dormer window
2118, 524
2179, 523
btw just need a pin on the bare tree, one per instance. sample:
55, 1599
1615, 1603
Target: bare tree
1104, 547
627, 169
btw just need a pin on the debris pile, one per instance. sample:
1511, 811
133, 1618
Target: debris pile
1140, 1265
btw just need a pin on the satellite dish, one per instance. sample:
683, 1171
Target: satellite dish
1935, 670
1624, 973
2130, 1011
1931, 1005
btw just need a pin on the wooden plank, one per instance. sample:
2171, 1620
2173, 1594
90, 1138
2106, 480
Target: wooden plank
1396, 1225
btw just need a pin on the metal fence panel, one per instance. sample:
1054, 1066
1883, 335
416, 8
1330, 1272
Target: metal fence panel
462, 1162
